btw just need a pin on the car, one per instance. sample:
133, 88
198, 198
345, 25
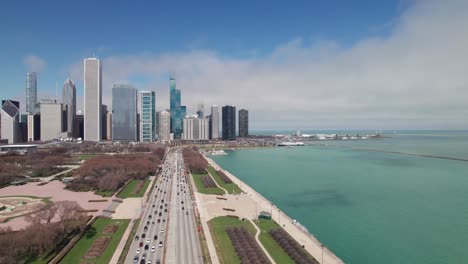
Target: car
182, 202
154, 205
164, 220
162, 230
153, 249
142, 261
149, 216
160, 243
147, 222
155, 237
148, 241
165, 210
146, 247
152, 223
137, 237
182, 208
149, 262
160, 214
141, 244
143, 235
158, 261
160, 207
135, 259
155, 212
159, 221
186, 213
138, 251
143, 257
177, 193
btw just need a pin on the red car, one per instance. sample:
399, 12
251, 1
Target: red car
141, 244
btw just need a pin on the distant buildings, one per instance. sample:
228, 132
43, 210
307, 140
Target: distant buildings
147, 116
229, 122
69, 105
34, 127
200, 110
78, 127
164, 124
104, 122
124, 113
92, 99
109, 125
31, 93
177, 111
214, 122
52, 120
196, 128
10, 119
243, 123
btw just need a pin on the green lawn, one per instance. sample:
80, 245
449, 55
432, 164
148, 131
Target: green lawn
275, 250
104, 193
128, 190
224, 247
201, 188
231, 188
79, 250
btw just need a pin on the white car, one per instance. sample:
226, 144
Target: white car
148, 241
160, 243
138, 251
162, 230
153, 249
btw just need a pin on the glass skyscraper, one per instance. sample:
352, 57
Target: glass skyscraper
147, 116
229, 122
243, 123
69, 104
31, 93
177, 111
124, 113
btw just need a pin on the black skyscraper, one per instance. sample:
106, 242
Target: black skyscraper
229, 122
243, 123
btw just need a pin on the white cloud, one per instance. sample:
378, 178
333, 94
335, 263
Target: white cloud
34, 63
414, 78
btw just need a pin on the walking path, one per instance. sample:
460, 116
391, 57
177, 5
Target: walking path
219, 186
260, 243
298, 232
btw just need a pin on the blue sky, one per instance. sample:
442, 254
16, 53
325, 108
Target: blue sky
59, 34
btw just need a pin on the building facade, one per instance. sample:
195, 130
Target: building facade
34, 127
109, 125
92, 99
10, 119
196, 128
52, 117
31, 93
214, 120
243, 123
164, 126
69, 105
124, 113
177, 111
229, 122
147, 116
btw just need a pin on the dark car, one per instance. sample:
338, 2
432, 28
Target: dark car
186, 213
143, 257
135, 259
137, 237
146, 247
141, 244
160, 214
155, 237
154, 205
158, 261
182, 208
165, 210
143, 235
159, 221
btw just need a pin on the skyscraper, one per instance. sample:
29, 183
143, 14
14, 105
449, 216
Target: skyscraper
196, 128
92, 99
69, 105
147, 116
200, 110
214, 128
164, 125
229, 122
31, 93
10, 119
177, 111
109, 125
243, 123
52, 120
104, 122
124, 113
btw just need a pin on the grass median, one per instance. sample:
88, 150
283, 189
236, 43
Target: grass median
224, 248
231, 188
205, 190
273, 248
77, 253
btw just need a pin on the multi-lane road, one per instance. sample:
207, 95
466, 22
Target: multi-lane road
167, 231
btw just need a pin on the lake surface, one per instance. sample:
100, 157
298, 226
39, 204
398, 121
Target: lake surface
366, 206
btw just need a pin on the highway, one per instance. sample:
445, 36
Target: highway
167, 232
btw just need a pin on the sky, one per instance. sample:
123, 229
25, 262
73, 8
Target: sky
324, 64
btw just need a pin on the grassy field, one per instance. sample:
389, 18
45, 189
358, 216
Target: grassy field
275, 250
79, 250
224, 248
201, 188
128, 190
231, 188
104, 193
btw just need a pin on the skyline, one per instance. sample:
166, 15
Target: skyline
409, 75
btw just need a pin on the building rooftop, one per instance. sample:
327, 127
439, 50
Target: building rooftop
10, 108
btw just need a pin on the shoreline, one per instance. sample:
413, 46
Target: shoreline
301, 235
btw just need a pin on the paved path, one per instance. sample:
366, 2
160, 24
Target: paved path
260, 243
123, 241
219, 186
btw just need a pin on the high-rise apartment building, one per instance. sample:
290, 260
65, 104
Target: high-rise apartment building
243, 123
52, 120
31, 93
10, 119
147, 116
196, 128
164, 125
92, 99
229, 122
34, 127
109, 125
177, 111
214, 120
69, 105
104, 122
124, 113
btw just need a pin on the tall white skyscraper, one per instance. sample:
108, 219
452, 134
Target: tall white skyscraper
31, 93
164, 126
92, 99
214, 122
69, 104
147, 116
195, 128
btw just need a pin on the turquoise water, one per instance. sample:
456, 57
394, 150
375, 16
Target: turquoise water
370, 207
